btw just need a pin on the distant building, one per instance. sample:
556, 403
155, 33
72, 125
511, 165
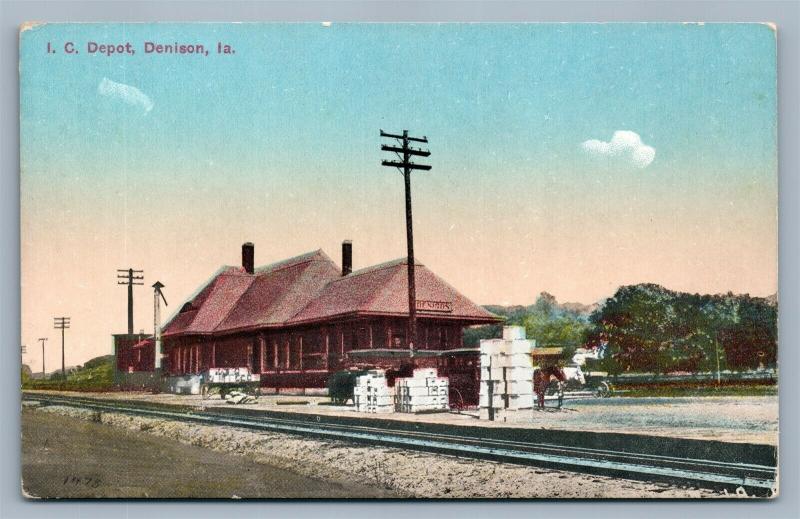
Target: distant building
129, 352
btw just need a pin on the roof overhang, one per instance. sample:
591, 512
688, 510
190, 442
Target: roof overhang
546, 352
401, 353
334, 319
467, 320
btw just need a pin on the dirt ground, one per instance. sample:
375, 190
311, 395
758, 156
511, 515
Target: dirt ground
728, 418
69, 457
384, 471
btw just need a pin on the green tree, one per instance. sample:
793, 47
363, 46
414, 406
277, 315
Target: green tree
549, 324
752, 339
650, 328
546, 321
637, 324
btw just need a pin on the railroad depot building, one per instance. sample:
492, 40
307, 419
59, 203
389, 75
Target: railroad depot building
297, 321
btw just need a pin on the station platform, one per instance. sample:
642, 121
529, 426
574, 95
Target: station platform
751, 420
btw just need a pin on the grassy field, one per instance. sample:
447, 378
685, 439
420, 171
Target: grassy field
96, 375
698, 390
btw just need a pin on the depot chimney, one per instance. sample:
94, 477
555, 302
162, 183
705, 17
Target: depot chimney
248, 253
347, 257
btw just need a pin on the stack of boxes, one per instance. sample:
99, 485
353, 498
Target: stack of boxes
507, 376
230, 375
372, 394
423, 392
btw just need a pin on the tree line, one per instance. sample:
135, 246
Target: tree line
648, 328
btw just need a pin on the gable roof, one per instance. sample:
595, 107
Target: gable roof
310, 288
383, 290
278, 293
234, 300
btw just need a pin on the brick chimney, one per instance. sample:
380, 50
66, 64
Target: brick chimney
248, 254
347, 257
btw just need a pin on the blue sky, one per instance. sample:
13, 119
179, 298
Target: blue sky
278, 144
522, 92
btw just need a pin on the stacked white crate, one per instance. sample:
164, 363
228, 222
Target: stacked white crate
230, 375
424, 391
372, 394
507, 367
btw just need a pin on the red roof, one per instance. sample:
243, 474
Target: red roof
310, 288
383, 290
280, 291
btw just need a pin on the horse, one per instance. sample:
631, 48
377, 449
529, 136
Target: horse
541, 379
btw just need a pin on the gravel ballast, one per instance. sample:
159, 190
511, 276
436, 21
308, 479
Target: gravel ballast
407, 473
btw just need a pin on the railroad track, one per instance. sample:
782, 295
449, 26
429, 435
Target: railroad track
707, 471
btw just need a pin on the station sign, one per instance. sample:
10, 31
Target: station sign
434, 306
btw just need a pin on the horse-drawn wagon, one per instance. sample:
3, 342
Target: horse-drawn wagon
550, 379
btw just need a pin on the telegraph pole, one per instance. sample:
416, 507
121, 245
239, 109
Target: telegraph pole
716, 351
42, 339
404, 153
62, 323
130, 277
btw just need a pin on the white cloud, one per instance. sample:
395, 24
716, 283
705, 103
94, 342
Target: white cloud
624, 144
126, 93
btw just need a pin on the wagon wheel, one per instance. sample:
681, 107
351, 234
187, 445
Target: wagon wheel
552, 388
555, 388
460, 404
603, 390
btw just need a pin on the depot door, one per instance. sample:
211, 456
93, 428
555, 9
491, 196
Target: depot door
257, 353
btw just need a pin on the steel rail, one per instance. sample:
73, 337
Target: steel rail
517, 444
764, 471
746, 473
718, 474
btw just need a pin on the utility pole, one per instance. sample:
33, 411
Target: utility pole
404, 152
490, 390
130, 277
157, 297
716, 351
42, 339
62, 323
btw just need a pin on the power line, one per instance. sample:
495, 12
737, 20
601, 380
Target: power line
62, 323
130, 277
404, 153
